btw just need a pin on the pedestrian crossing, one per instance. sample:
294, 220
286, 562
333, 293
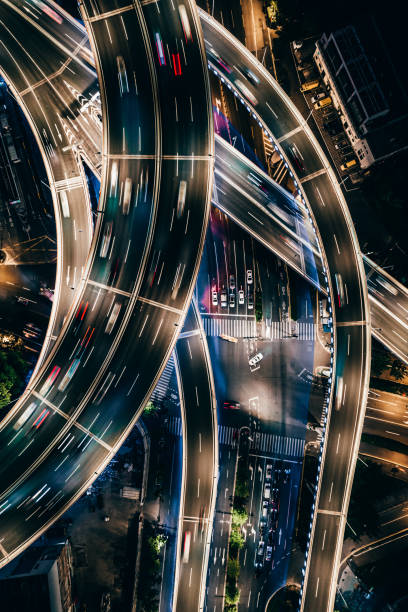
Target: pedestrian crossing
279, 330
174, 426
272, 444
162, 387
227, 435
236, 327
268, 444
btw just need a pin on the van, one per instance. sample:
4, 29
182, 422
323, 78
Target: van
309, 85
267, 491
322, 103
348, 164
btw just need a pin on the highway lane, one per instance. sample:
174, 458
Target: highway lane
200, 462
93, 318
343, 263
44, 106
241, 190
236, 193
381, 286
146, 347
390, 331
387, 290
51, 428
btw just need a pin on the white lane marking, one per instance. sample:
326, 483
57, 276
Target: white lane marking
337, 244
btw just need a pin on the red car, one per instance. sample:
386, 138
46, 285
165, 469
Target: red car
232, 405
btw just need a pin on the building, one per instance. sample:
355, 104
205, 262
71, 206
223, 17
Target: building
366, 89
39, 580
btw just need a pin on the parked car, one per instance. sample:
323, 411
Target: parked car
348, 164
318, 97
253, 360
322, 103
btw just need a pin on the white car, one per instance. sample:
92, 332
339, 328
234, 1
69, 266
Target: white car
214, 298
250, 279
241, 296
223, 299
255, 359
318, 97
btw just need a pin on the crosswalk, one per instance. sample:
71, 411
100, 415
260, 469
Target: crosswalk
162, 387
236, 327
272, 444
269, 444
227, 435
279, 330
174, 426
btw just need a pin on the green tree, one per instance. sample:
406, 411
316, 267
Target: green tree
398, 369
150, 409
380, 360
231, 594
236, 541
13, 369
233, 569
239, 516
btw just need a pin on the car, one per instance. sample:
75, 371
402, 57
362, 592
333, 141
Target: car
259, 554
185, 24
186, 546
50, 381
384, 283
241, 296
232, 300
223, 299
214, 297
268, 554
250, 279
181, 198
267, 490
340, 289
246, 92
250, 75
255, 359
113, 317
106, 238
232, 405
296, 156
268, 472
318, 97
212, 53
339, 393
250, 301
323, 371
122, 75
348, 164
232, 281
322, 103
160, 49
